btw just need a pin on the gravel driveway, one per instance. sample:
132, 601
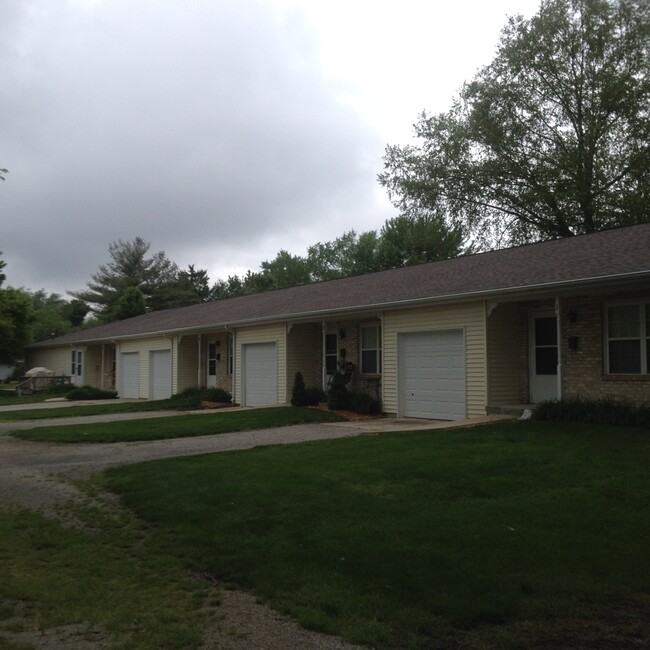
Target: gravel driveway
39, 476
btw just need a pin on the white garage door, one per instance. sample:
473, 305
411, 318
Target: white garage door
130, 375
259, 374
432, 375
160, 374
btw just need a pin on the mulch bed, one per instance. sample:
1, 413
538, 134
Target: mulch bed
348, 415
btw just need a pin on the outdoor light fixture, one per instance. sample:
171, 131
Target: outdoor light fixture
341, 334
573, 343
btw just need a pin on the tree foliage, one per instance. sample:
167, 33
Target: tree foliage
551, 139
55, 316
16, 315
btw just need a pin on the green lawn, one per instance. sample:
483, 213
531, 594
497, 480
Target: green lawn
109, 582
79, 409
511, 535
181, 426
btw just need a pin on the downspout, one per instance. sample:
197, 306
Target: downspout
171, 354
558, 319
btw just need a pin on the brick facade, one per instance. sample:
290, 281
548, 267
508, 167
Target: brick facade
584, 371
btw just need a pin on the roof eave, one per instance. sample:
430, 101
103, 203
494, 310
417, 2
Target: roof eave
512, 292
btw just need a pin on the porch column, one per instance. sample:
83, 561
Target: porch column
198, 378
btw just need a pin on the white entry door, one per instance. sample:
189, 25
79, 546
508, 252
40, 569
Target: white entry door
543, 357
77, 367
213, 352
431, 370
259, 374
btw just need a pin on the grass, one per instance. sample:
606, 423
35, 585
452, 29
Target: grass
181, 426
82, 410
107, 583
508, 536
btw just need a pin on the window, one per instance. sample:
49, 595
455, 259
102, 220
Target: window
76, 363
371, 350
331, 353
628, 339
212, 358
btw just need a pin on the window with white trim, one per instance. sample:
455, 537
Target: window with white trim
628, 339
371, 349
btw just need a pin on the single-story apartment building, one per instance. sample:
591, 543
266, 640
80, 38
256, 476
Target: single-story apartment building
442, 340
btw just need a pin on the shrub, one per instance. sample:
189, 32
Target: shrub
90, 392
299, 392
337, 395
314, 396
364, 403
594, 411
193, 396
303, 395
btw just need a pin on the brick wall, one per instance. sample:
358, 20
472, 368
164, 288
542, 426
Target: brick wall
584, 370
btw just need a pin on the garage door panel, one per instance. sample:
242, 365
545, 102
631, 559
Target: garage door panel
160, 381
130, 375
432, 374
260, 374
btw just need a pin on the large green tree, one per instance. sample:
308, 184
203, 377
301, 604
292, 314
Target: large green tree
549, 140
16, 316
129, 267
55, 316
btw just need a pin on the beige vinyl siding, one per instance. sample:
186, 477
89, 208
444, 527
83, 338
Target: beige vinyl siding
263, 334
144, 347
469, 317
92, 366
304, 354
187, 363
56, 359
503, 353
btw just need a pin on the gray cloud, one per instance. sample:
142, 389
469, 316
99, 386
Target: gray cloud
207, 128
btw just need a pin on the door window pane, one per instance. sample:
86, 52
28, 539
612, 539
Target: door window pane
546, 361
546, 331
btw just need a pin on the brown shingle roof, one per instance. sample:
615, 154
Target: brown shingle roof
621, 253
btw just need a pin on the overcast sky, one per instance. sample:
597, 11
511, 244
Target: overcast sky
220, 132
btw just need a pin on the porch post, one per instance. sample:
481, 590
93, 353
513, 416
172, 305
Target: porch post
323, 362
198, 377
101, 381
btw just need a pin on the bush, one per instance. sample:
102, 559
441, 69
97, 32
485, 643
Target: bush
193, 396
314, 396
298, 394
337, 394
364, 403
594, 411
90, 392
303, 396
